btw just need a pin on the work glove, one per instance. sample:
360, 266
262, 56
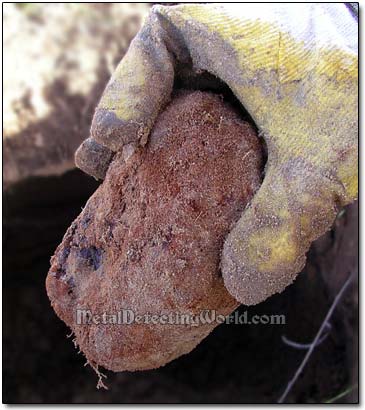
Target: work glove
294, 68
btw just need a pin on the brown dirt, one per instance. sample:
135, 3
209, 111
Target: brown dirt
150, 238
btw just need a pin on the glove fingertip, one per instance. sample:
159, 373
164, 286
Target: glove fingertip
251, 286
93, 158
110, 131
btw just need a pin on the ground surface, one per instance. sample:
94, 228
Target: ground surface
59, 58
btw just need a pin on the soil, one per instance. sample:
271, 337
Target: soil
72, 49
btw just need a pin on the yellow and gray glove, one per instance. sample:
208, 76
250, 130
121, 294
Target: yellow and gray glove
294, 68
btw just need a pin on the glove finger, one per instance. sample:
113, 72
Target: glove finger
139, 88
93, 158
267, 247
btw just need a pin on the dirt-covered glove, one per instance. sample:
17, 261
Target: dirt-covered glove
294, 68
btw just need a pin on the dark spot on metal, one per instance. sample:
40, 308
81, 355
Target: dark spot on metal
71, 282
193, 205
85, 222
60, 273
93, 256
64, 255
167, 238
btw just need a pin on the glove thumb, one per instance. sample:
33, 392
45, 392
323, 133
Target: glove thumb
267, 247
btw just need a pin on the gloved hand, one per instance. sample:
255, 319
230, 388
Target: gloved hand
294, 68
